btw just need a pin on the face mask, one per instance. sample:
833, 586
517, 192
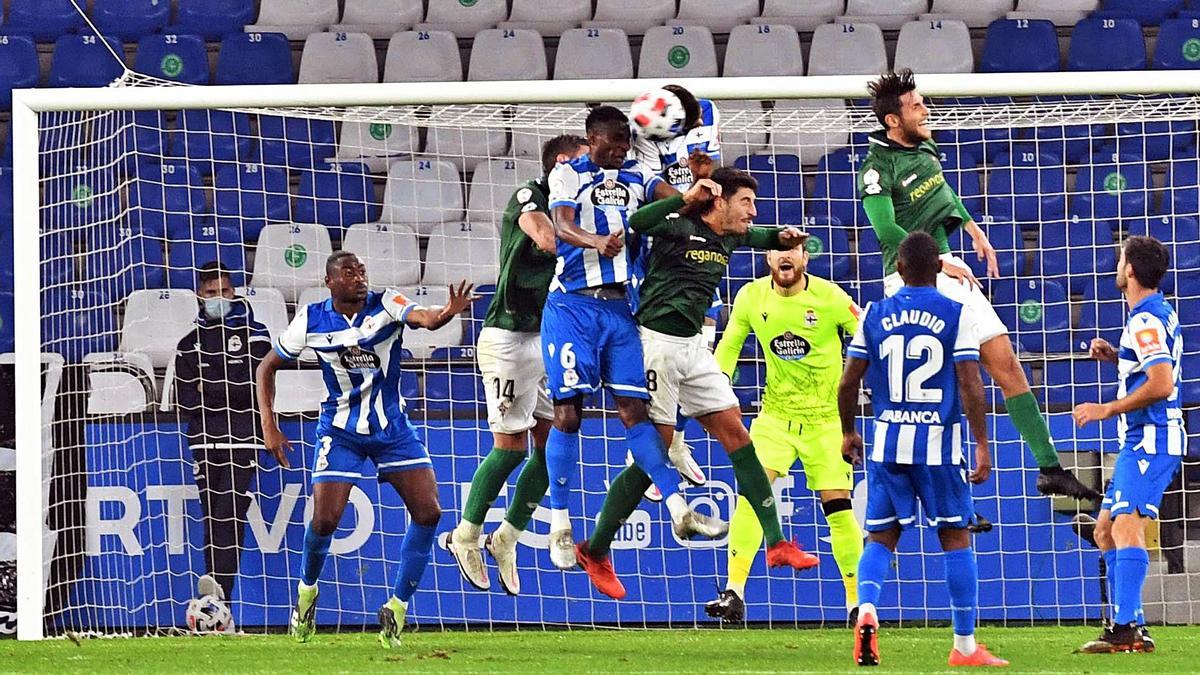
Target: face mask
218, 307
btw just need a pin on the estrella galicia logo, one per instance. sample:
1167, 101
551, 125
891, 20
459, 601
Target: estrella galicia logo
790, 347
357, 360
679, 173
610, 193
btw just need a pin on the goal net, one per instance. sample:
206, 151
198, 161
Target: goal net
135, 188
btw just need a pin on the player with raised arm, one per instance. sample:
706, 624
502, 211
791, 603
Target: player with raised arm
514, 378
903, 190
799, 320
1150, 433
589, 336
356, 334
694, 235
919, 352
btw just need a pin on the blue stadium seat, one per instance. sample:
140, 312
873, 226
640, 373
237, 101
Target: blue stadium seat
205, 243
247, 196
44, 20
1072, 142
213, 19
18, 66
864, 292
1145, 12
1020, 46
77, 321
870, 256
961, 171
1111, 187
745, 265
1183, 183
749, 381
337, 196
1156, 141
1106, 44
979, 145
165, 198
1027, 187
1175, 48
182, 58
1078, 381
835, 191
1036, 312
84, 61
1101, 314
296, 142
123, 260
1080, 245
130, 19
1005, 237
255, 58
410, 383
1181, 235
829, 254
451, 382
80, 199
212, 136
479, 307
780, 187
7, 317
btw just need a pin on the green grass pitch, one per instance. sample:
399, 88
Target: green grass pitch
1031, 649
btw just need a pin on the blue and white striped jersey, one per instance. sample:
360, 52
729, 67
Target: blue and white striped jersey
603, 200
669, 159
359, 357
1152, 335
912, 341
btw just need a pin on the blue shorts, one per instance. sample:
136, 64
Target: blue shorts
1134, 490
341, 454
893, 490
586, 341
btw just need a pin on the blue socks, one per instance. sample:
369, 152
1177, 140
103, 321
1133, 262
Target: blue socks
1110, 574
316, 548
680, 423
649, 454
872, 572
562, 456
1130, 573
414, 558
962, 579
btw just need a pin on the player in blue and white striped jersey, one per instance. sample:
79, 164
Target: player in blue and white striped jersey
356, 335
589, 336
1150, 432
919, 351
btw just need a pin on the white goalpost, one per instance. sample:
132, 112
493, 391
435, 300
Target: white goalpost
120, 194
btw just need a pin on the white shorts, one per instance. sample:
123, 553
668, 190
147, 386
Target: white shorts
987, 323
514, 379
682, 375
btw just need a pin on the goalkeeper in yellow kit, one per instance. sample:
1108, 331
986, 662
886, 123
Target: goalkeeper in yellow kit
799, 321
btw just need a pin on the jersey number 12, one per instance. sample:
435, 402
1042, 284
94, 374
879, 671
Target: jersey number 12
895, 349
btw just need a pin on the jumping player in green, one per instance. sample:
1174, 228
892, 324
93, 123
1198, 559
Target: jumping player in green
903, 190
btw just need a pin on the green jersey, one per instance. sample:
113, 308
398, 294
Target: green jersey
912, 178
686, 262
525, 270
801, 336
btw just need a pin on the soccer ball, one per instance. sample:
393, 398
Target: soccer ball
208, 614
658, 115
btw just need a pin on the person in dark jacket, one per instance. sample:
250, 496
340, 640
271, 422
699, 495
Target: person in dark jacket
214, 371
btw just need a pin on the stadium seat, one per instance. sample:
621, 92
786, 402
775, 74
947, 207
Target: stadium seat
863, 292
18, 66
338, 58
1027, 187
84, 61
741, 113
1060, 12
464, 147
763, 50
1101, 314
291, 257
294, 18
389, 251
213, 19
336, 196
248, 196
1037, 313
1183, 181
803, 16
870, 255
130, 19
381, 19
43, 20
299, 391
206, 243
376, 144
1020, 46
268, 307
887, 14
811, 145
828, 247
1078, 381
121, 260
1004, 237
1110, 187
1073, 246
422, 56
424, 192
7, 319
77, 322
1181, 235
780, 187
255, 58
492, 186
678, 51
974, 13
1175, 48
422, 342
533, 126
961, 171
464, 19
548, 18
296, 142
155, 321
631, 16
847, 49
165, 198
453, 255
479, 306
1106, 44
941, 46
507, 54
749, 382
745, 265
79, 199
719, 16
593, 53
835, 191
182, 58
206, 136
1146, 12
451, 383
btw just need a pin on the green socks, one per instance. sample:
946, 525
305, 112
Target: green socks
753, 484
624, 495
531, 487
487, 481
1027, 418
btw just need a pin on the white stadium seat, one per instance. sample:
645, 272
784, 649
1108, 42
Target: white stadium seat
763, 50
631, 16
424, 192
678, 51
422, 342
390, 252
313, 294
941, 46
507, 54
462, 18
295, 18
593, 53
268, 307
1061, 12
155, 321
810, 146
847, 49
339, 58
454, 255
548, 18
974, 13
379, 18
738, 143
533, 126
887, 14
464, 147
376, 144
429, 56
492, 186
298, 391
119, 383
719, 16
291, 257
803, 16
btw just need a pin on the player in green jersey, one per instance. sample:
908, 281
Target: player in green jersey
903, 190
509, 352
694, 235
